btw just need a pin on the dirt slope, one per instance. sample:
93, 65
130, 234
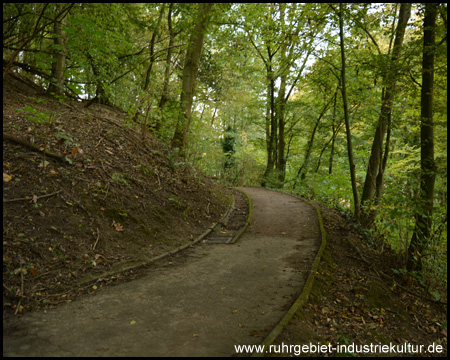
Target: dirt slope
201, 302
83, 192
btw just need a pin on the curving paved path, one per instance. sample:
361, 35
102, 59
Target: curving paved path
217, 296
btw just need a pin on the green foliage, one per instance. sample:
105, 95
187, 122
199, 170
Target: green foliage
36, 115
333, 190
228, 147
119, 178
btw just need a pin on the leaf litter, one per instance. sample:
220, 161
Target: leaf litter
100, 202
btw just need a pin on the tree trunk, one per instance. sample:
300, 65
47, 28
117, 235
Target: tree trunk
152, 47
190, 70
303, 169
271, 130
346, 116
281, 105
333, 140
281, 160
59, 62
424, 215
145, 97
165, 91
372, 213
390, 78
100, 92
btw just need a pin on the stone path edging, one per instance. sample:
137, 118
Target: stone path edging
241, 231
137, 264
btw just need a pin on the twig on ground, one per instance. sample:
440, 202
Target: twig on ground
21, 291
35, 148
28, 198
96, 241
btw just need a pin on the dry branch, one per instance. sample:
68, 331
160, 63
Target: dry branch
35, 148
28, 198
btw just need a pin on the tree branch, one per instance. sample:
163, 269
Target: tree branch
35, 148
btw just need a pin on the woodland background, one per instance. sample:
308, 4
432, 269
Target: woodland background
342, 103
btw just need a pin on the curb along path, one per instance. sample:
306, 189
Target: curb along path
215, 297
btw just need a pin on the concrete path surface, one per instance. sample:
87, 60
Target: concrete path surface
217, 296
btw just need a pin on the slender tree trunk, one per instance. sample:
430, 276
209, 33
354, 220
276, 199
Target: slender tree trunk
280, 164
281, 161
269, 143
424, 215
190, 70
165, 91
164, 97
303, 169
390, 78
371, 215
281, 105
100, 92
271, 130
214, 116
346, 116
333, 136
333, 140
152, 47
268, 115
59, 63
146, 97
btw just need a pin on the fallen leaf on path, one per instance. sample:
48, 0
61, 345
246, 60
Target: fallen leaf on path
325, 310
118, 226
7, 177
132, 322
99, 256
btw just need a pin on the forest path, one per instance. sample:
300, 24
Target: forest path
202, 303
